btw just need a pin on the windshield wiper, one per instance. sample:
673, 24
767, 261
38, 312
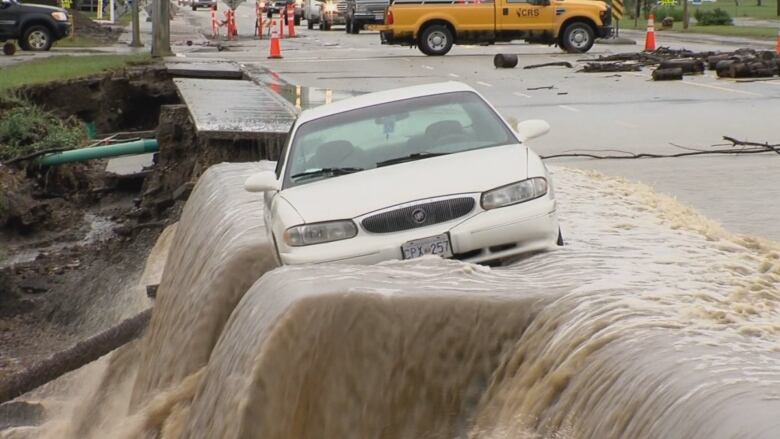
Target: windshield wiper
410, 157
326, 171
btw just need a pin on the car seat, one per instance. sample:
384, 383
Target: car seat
337, 154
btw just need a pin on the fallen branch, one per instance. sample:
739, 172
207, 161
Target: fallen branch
32, 156
549, 87
82, 353
754, 148
550, 64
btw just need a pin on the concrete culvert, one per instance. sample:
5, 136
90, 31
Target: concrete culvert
505, 60
671, 74
9, 48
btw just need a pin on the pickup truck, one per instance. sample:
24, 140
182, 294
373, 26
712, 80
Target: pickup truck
435, 25
35, 27
364, 12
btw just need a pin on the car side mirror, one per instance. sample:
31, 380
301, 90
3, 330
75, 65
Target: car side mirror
262, 182
531, 129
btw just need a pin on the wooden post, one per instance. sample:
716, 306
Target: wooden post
161, 28
136, 26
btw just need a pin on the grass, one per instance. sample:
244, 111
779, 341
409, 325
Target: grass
63, 67
746, 8
769, 33
25, 128
79, 41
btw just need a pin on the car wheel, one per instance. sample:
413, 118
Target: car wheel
194, 8
321, 25
37, 38
436, 40
310, 24
356, 28
578, 37
560, 238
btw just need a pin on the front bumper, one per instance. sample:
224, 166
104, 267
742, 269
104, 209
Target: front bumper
335, 17
369, 18
61, 30
605, 31
482, 236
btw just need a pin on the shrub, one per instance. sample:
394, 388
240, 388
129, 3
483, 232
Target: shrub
669, 11
25, 129
714, 17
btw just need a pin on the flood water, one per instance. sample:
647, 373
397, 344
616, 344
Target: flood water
652, 322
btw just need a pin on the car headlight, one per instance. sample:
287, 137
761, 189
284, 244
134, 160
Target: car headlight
330, 7
514, 193
318, 233
59, 16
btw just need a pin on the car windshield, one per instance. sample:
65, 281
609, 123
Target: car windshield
393, 133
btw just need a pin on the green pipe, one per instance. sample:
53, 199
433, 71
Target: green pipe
99, 152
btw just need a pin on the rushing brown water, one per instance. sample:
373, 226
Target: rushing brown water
652, 322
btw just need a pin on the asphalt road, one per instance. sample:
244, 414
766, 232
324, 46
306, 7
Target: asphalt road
624, 111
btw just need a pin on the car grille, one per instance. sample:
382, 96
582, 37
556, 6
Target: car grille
341, 6
419, 215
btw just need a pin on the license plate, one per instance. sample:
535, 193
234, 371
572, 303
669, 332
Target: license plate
438, 245
380, 17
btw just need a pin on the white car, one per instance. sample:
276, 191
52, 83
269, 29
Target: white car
398, 174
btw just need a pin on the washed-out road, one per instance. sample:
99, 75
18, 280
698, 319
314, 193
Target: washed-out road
593, 112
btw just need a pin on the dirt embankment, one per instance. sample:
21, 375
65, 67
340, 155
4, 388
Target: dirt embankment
73, 237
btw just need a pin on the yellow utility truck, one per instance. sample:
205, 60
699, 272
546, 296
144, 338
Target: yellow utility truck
435, 25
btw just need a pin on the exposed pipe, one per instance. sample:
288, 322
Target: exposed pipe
100, 152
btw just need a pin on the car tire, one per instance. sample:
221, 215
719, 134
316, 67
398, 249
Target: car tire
578, 37
436, 40
356, 28
326, 25
194, 8
297, 21
37, 38
559, 242
310, 24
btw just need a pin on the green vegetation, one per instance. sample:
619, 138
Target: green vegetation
64, 67
742, 8
25, 129
669, 11
79, 41
768, 33
715, 17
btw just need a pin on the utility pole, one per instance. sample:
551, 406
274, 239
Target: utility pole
136, 26
161, 28
686, 17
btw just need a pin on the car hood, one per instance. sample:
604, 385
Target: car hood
41, 8
353, 195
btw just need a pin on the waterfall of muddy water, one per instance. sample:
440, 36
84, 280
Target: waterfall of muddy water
652, 322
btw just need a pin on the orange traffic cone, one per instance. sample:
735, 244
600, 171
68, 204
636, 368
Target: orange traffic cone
276, 47
650, 38
778, 41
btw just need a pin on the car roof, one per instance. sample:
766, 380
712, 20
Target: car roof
382, 97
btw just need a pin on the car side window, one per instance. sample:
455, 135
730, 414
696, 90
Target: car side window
283, 153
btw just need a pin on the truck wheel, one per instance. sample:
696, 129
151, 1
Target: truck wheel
356, 27
325, 25
310, 24
194, 8
436, 40
297, 20
36, 38
348, 26
578, 37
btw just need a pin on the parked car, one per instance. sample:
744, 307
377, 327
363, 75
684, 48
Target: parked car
398, 174
311, 12
35, 27
364, 12
195, 4
276, 7
332, 12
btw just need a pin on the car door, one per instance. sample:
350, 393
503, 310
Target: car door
9, 16
524, 15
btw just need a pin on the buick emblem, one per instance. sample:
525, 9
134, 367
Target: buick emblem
419, 216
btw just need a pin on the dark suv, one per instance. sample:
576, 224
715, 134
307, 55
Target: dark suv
363, 12
36, 27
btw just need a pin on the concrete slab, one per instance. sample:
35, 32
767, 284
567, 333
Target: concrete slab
211, 70
234, 109
130, 165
